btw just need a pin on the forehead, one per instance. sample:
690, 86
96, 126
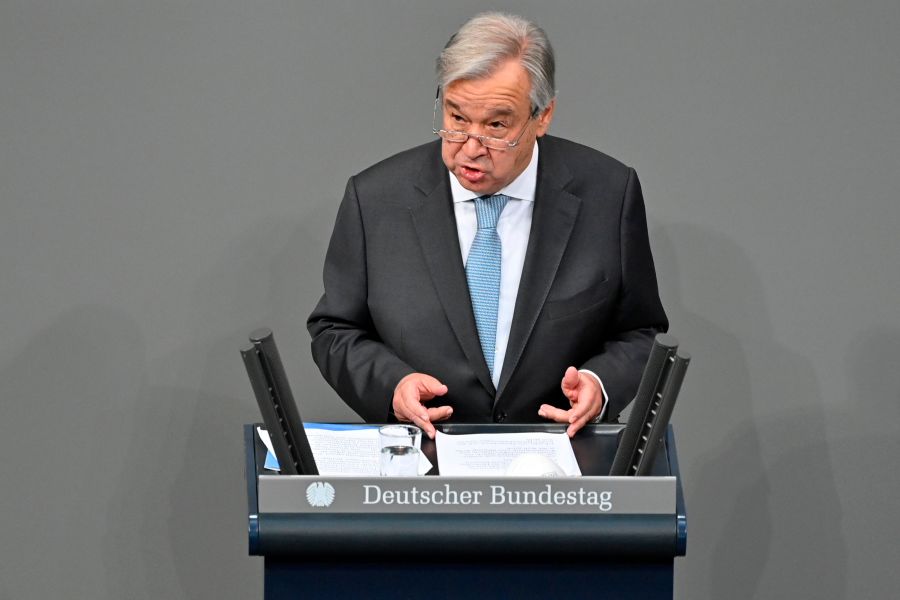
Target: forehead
506, 90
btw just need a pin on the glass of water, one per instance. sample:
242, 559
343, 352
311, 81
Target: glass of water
400, 450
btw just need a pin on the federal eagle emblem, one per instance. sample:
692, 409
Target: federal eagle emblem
320, 494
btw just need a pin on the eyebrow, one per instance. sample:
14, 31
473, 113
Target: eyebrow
502, 111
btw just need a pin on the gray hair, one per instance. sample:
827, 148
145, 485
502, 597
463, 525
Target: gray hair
491, 38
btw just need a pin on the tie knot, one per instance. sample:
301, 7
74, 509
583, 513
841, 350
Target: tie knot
488, 209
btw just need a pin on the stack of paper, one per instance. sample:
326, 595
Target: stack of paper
348, 450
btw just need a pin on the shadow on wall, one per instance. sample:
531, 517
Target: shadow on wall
181, 490
102, 505
763, 511
67, 399
866, 447
270, 276
183, 480
125, 468
185, 466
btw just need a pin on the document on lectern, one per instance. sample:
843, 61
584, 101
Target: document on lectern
341, 450
490, 454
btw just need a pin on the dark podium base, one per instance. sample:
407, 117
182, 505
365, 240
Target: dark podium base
611, 581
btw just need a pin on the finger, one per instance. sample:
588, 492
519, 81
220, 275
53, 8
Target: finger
428, 428
586, 408
411, 407
402, 412
553, 413
429, 387
419, 414
421, 419
580, 407
440, 413
574, 427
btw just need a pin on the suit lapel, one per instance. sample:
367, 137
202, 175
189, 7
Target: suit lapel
435, 224
555, 213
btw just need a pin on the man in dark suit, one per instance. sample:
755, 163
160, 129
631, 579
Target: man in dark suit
497, 274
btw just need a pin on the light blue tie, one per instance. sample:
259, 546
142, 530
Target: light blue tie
483, 272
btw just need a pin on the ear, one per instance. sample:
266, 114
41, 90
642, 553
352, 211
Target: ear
544, 119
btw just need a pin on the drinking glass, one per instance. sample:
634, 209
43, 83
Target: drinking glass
400, 450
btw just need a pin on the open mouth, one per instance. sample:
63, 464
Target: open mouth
471, 174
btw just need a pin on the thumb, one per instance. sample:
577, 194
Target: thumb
570, 380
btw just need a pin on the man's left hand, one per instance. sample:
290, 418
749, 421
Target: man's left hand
585, 396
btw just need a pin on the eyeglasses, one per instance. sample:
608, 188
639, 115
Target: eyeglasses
459, 137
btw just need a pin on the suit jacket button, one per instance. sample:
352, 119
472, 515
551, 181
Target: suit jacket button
500, 417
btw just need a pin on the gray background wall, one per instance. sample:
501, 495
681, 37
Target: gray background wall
169, 175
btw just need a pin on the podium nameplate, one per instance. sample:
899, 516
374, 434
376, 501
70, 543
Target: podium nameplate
487, 495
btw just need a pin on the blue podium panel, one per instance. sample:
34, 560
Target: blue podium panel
629, 554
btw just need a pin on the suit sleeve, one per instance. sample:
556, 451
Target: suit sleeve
639, 314
345, 344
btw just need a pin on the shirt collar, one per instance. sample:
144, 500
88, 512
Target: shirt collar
521, 188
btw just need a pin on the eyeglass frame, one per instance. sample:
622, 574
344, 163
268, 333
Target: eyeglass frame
481, 138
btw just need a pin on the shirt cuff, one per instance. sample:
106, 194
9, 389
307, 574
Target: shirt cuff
598, 418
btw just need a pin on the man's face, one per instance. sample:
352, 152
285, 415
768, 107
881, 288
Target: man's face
496, 106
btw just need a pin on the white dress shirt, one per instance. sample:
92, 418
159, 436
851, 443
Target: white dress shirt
513, 227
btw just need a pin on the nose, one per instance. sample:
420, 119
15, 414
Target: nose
473, 148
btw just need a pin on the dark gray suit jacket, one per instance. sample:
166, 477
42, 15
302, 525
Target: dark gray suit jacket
396, 299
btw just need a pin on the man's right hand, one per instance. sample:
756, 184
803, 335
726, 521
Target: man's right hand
411, 392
